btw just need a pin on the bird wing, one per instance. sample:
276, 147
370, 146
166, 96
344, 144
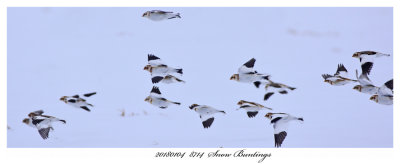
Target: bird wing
206, 119
156, 79
89, 94
341, 71
43, 125
247, 68
386, 89
280, 131
154, 60
279, 138
366, 67
44, 132
155, 91
363, 79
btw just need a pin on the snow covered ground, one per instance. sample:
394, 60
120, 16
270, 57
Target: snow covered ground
53, 52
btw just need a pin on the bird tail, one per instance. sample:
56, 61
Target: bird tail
382, 54
292, 88
179, 80
178, 15
180, 71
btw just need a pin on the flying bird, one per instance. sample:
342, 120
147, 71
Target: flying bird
246, 74
156, 99
385, 94
367, 59
276, 87
158, 15
280, 124
339, 78
77, 101
206, 113
166, 79
252, 108
157, 67
43, 123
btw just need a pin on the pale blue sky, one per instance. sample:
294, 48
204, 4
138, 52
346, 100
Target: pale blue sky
54, 52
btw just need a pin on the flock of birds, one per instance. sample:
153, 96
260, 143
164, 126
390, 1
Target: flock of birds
162, 73
381, 95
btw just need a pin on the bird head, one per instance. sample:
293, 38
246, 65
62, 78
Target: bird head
146, 14
240, 102
147, 68
64, 98
356, 55
26, 121
31, 115
357, 87
235, 77
148, 99
374, 98
193, 106
269, 115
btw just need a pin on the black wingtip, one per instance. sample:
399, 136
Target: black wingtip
152, 57
301, 119
177, 103
63, 121
178, 15
207, 123
89, 94
156, 79
257, 84
366, 68
389, 84
283, 92
85, 108
266, 96
155, 89
250, 63
252, 114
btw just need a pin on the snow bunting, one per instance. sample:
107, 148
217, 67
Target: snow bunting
43, 123
158, 15
246, 74
156, 99
161, 70
206, 113
367, 58
158, 67
339, 78
279, 87
280, 125
78, 101
252, 108
166, 79
385, 94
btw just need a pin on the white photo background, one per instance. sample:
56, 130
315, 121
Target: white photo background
54, 52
